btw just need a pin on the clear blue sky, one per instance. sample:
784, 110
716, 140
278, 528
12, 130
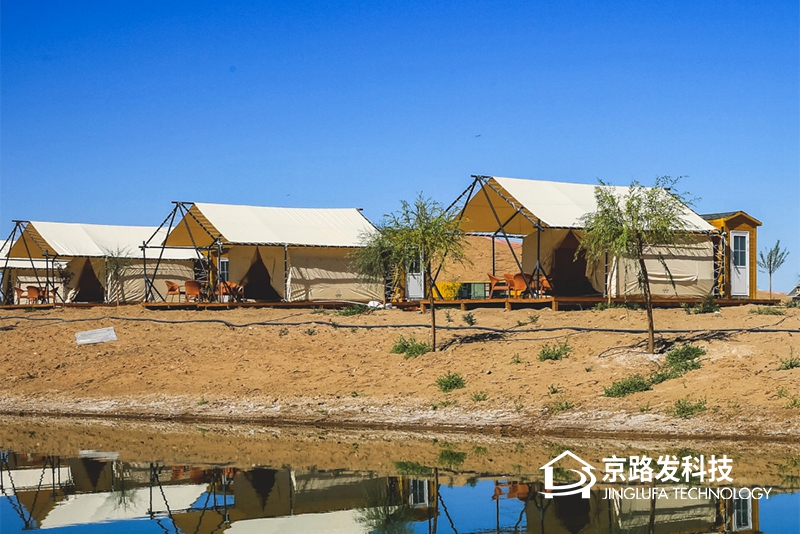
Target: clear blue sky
110, 110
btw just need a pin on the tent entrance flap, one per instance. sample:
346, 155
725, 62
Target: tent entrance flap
89, 287
257, 282
569, 271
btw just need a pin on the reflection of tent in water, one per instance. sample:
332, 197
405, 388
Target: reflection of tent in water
290, 254
262, 493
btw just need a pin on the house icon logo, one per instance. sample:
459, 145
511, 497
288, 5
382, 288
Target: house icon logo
583, 486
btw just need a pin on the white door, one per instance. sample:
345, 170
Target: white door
415, 281
740, 268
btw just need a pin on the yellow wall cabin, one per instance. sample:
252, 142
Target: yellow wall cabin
740, 267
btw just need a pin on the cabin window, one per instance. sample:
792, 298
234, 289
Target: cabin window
739, 250
419, 492
223, 269
741, 514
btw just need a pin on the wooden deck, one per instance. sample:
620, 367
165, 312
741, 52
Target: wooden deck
555, 303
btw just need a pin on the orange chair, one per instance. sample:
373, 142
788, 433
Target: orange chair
21, 295
521, 283
496, 284
173, 289
34, 294
193, 289
231, 289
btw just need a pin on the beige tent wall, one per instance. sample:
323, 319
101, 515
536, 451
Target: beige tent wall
240, 258
324, 274
551, 239
691, 268
133, 285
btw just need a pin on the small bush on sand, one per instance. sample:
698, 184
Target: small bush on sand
451, 458
410, 348
450, 382
627, 386
792, 362
600, 306
412, 469
469, 318
685, 358
794, 303
355, 309
561, 405
685, 408
707, 305
479, 396
766, 310
555, 351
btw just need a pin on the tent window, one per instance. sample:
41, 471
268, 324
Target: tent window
741, 514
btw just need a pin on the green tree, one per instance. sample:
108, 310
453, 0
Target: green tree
422, 231
770, 260
641, 221
117, 264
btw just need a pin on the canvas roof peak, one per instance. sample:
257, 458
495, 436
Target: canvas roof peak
266, 225
70, 240
555, 204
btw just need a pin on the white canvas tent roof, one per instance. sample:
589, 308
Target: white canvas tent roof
556, 204
25, 263
258, 225
69, 240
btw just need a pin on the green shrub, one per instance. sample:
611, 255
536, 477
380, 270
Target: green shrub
479, 396
707, 305
451, 458
766, 310
283, 331
448, 316
679, 361
561, 405
515, 359
685, 358
627, 386
311, 331
410, 347
412, 469
600, 306
789, 363
685, 408
469, 318
794, 303
355, 309
450, 382
555, 351
552, 389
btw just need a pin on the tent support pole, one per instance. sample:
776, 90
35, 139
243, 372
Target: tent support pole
149, 285
286, 288
494, 269
33, 265
467, 191
508, 241
8, 297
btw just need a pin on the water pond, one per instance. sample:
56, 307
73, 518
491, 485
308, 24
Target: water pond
100, 476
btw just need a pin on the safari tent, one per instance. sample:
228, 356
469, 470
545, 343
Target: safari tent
75, 260
276, 254
19, 273
547, 217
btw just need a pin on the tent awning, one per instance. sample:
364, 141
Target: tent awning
71, 240
519, 204
258, 225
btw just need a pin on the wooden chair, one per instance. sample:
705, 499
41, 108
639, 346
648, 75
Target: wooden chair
21, 295
34, 294
496, 284
193, 289
174, 289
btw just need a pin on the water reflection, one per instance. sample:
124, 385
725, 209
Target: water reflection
101, 490
450, 489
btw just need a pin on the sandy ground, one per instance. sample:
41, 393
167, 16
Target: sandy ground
322, 368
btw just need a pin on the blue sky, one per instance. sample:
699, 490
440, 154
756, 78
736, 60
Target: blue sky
110, 110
